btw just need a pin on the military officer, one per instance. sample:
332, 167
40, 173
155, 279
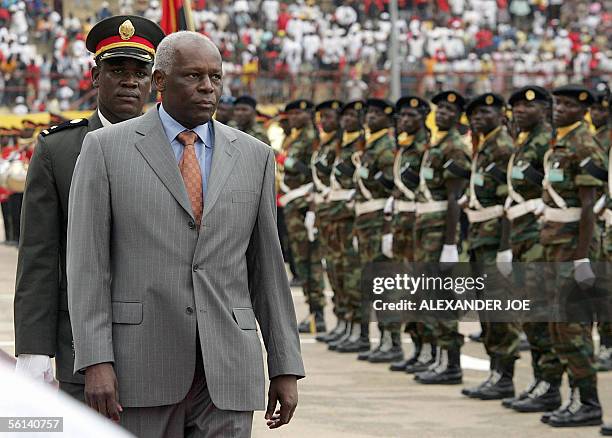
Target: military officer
318, 219
297, 185
245, 114
124, 49
568, 235
488, 234
374, 178
412, 140
437, 229
530, 105
354, 336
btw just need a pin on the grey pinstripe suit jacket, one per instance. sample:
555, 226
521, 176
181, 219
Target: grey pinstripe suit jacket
141, 280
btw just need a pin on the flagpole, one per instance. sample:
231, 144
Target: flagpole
188, 15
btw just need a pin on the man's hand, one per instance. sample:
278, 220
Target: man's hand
283, 389
35, 366
101, 390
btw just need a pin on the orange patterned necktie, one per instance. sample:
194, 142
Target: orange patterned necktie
192, 175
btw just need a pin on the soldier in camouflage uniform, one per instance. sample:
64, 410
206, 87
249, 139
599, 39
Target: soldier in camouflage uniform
488, 234
600, 116
297, 186
322, 159
245, 115
568, 235
530, 105
412, 140
374, 178
437, 227
355, 337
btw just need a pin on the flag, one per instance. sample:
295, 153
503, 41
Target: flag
176, 15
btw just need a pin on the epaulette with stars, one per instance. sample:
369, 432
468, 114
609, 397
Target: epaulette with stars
70, 124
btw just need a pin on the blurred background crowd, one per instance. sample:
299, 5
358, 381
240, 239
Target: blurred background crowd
280, 50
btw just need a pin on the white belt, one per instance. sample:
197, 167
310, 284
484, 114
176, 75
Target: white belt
341, 195
294, 194
607, 217
369, 206
523, 208
404, 206
562, 215
484, 214
431, 207
318, 198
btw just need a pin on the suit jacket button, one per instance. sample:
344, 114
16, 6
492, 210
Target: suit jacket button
191, 225
189, 310
195, 268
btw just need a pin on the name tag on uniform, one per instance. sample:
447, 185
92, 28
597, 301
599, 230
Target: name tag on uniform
289, 162
363, 172
428, 173
517, 173
478, 179
555, 175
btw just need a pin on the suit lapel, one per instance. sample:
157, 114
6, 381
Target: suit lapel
156, 150
224, 158
94, 122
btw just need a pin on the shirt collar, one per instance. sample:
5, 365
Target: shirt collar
104, 120
172, 128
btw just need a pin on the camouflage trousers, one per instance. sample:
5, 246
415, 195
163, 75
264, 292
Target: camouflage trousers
428, 247
572, 341
307, 256
369, 230
605, 328
501, 339
544, 361
343, 266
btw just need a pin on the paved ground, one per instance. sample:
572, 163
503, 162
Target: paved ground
342, 397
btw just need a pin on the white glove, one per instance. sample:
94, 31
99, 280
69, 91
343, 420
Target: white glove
539, 211
355, 243
309, 222
583, 274
449, 254
388, 206
35, 366
504, 262
387, 245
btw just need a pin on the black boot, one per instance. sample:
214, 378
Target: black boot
508, 401
304, 325
606, 430
359, 340
545, 397
472, 392
332, 345
545, 418
584, 410
402, 364
334, 334
447, 370
426, 358
390, 351
501, 385
364, 355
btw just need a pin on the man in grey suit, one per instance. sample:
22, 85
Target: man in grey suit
183, 262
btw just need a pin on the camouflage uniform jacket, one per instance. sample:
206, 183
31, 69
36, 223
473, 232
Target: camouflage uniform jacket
485, 189
602, 136
377, 157
259, 132
566, 177
433, 175
341, 177
530, 149
321, 164
297, 164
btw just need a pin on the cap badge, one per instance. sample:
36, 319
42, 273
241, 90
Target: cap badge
335, 105
414, 103
126, 30
530, 95
489, 100
451, 98
583, 96
388, 110
303, 105
358, 106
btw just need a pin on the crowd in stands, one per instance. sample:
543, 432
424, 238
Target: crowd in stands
277, 50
